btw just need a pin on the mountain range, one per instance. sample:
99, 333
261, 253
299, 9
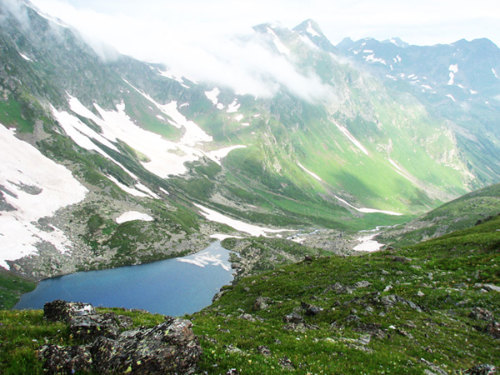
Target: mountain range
109, 162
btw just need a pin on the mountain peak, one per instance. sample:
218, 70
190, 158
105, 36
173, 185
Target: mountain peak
309, 27
397, 42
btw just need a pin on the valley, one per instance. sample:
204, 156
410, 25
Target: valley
353, 188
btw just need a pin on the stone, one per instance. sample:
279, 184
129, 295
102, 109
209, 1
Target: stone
286, 363
264, 350
261, 303
248, 317
168, 348
62, 311
293, 318
390, 300
65, 360
88, 327
493, 328
479, 313
491, 287
310, 310
362, 284
338, 288
483, 369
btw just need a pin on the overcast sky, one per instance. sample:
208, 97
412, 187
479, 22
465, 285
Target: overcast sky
188, 34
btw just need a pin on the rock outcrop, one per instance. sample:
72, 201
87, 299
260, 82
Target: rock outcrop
168, 348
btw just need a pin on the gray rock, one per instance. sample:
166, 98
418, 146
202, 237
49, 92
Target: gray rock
293, 318
491, 287
310, 310
390, 300
248, 317
338, 288
88, 327
264, 350
65, 360
261, 303
493, 328
483, 369
479, 313
62, 311
286, 363
362, 284
168, 348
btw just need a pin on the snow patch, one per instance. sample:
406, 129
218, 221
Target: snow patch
126, 189
451, 97
351, 137
194, 134
205, 258
239, 117
25, 57
368, 243
241, 226
311, 173
278, 43
367, 210
495, 73
54, 188
373, 59
310, 30
213, 95
133, 215
222, 237
233, 107
218, 155
453, 70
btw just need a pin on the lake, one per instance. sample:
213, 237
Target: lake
172, 287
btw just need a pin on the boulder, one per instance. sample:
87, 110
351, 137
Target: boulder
483, 369
310, 310
62, 311
261, 303
293, 318
91, 326
479, 313
65, 360
168, 348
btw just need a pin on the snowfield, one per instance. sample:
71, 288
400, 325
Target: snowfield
133, 215
241, 226
218, 155
33, 187
367, 243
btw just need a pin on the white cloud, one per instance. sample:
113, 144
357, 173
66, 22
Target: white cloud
197, 38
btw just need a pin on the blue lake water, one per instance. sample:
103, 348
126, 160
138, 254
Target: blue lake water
172, 287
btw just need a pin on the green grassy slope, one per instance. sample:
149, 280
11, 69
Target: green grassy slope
436, 284
390, 312
460, 213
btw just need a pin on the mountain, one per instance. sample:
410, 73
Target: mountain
458, 83
114, 161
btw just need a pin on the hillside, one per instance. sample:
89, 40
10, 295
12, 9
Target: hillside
461, 213
428, 307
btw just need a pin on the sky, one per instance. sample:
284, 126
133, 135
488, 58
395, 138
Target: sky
196, 37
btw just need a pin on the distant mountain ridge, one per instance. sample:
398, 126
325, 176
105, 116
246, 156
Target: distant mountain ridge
366, 147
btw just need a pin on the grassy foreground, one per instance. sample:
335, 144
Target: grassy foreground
402, 311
